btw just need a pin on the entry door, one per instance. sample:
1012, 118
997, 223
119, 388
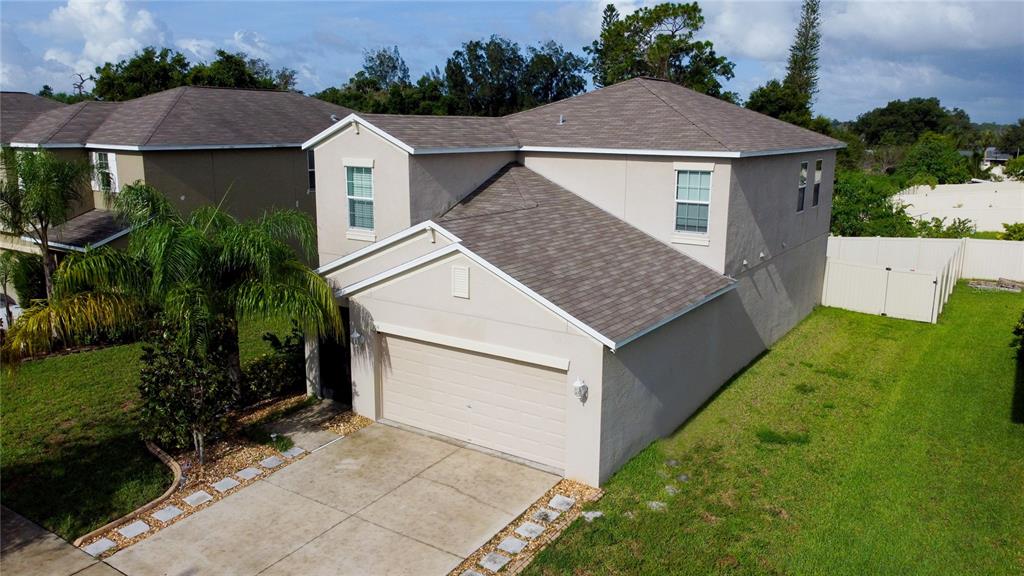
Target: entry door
502, 404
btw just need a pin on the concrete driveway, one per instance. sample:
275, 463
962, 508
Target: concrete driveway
381, 501
27, 549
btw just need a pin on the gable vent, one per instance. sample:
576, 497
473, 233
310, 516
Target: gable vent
460, 281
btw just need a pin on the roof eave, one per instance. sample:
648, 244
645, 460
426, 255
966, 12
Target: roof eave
673, 317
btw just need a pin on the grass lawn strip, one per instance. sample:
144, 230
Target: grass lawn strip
858, 445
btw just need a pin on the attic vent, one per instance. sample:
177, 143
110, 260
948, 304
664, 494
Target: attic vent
561, 119
460, 281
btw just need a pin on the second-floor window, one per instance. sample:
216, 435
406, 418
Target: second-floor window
310, 170
693, 200
816, 197
360, 197
104, 177
801, 192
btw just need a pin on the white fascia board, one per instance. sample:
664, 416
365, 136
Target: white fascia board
384, 243
464, 150
354, 119
689, 153
791, 151
453, 248
47, 146
673, 317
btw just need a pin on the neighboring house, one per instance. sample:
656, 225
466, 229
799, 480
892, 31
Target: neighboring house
994, 157
569, 283
241, 149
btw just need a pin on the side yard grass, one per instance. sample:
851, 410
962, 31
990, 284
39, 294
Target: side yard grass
70, 452
857, 445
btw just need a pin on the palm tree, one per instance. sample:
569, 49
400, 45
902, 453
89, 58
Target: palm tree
8, 261
38, 193
202, 272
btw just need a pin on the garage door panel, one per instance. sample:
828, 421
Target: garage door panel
504, 405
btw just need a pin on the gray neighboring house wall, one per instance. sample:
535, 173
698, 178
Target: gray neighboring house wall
526, 285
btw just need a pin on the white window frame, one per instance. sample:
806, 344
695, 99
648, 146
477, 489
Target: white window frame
819, 166
111, 169
801, 189
689, 236
349, 198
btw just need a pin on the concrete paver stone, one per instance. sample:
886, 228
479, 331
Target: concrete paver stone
271, 462
512, 545
530, 530
494, 561
546, 515
168, 513
293, 452
134, 529
561, 503
99, 547
198, 497
225, 484
248, 473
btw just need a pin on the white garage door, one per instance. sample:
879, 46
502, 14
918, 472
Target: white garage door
505, 405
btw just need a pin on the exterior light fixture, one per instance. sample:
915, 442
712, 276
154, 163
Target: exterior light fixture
579, 390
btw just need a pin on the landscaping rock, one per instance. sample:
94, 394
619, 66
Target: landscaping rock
529, 530
512, 545
561, 503
197, 498
271, 462
672, 463
134, 529
99, 547
494, 561
247, 473
471, 573
546, 515
672, 490
591, 515
225, 484
293, 452
657, 506
683, 477
167, 514
629, 514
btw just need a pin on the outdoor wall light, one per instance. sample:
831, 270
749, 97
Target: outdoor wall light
579, 389
356, 337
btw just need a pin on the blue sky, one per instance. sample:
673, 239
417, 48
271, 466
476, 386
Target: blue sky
969, 54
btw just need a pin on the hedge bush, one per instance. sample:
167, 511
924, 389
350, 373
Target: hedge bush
277, 373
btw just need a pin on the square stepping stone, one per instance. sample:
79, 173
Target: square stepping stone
591, 515
134, 529
293, 452
168, 513
225, 484
530, 530
512, 545
248, 473
271, 462
99, 547
561, 503
471, 573
546, 515
672, 490
494, 561
197, 498
656, 506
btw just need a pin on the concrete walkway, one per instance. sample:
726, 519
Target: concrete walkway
27, 549
381, 501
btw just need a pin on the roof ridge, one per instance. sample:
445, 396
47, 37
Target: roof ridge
66, 122
643, 82
171, 106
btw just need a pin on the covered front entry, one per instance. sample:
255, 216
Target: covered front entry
506, 405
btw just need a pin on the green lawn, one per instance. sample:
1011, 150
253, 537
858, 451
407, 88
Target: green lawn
70, 453
858, 445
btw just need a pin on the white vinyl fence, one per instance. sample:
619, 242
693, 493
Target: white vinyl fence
911, 278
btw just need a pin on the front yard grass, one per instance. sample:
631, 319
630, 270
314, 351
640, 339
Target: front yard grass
70, 452
857, 445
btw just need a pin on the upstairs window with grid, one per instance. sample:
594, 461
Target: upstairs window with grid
360, 197
103, 178
693, 199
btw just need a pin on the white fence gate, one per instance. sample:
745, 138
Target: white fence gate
911, 278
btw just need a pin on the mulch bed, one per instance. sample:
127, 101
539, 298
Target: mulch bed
582, 493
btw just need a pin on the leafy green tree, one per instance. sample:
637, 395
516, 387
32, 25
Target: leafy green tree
28, 279
8, 261
38, 192
232, 70
552, 73
937, 228
1014, 169
47, 92
1011, 140
903, 122
781, 101
186, 397
934, 155
864, 204
386, 67
802, 67
483, 77
146, 72
1012, 232
853, 156
203, 272
659, 41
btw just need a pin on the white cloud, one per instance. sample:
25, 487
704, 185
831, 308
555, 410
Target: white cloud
197, 48
20, 68
762, 30
252, 43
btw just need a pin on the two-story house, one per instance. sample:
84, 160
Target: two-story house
566, 284
240, 149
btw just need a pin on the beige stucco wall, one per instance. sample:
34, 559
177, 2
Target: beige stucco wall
255, 180
438, 181
386, 258
496, 314
652, 385
641, 190
390, 190
130, 169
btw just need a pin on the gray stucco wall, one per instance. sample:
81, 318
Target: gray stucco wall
438, 181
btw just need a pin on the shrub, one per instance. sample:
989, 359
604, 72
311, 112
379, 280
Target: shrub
185, 396
1014, 169
937, 228
276, 373
28, 280
934, 156
1012, 231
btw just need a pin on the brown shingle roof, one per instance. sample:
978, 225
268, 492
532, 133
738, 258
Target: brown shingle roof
599, 269
650, 114
191, 116
445, 131
88, 228
17, 109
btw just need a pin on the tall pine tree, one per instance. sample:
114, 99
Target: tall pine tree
802, 68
